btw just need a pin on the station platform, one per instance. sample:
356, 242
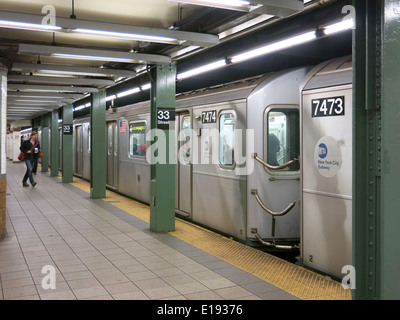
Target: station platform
103, 249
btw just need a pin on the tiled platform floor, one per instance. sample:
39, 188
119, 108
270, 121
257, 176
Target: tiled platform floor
101, 252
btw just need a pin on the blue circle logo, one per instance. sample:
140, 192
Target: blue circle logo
322, 150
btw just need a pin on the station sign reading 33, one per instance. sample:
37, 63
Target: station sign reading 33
326, 107
67, 128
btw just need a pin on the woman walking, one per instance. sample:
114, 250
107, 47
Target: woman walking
31, 149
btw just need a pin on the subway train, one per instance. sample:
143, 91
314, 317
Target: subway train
266, 161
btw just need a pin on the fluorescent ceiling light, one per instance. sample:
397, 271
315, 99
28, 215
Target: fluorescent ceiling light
89, 57
128, 92
127, 36
72, 70
146, 86
208, 67
79, 107
339, 26
28, 26
111, 30
91, 54
280, 45
112, 97
239, 5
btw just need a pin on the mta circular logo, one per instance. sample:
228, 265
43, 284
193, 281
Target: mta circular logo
322, 150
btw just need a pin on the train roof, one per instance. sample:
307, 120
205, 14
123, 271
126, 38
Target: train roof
330, 73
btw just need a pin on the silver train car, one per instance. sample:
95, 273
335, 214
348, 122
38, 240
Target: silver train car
326, 166
295, 125
260, 205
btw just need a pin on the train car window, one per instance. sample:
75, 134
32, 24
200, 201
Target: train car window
227, 139
282, 137
185, 143
137, 138
110, 139
89, 137
115, 140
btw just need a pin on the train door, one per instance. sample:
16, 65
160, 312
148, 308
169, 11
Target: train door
184, 167
112, 154
78, 151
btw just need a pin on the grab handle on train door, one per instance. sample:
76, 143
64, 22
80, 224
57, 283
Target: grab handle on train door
272, 213
282, 166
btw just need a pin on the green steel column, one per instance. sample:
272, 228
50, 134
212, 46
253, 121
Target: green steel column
390, 145
3, 132
162, 184
98, 145
55, 141
67, 144
45, 142
376, 253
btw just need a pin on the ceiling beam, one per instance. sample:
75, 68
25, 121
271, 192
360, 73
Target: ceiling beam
61, 80
38, 99
45, 94
280, 8
72, 70
91, 54
47, 88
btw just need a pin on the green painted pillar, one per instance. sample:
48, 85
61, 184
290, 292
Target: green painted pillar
389, 135
3, 156
162, 184
98, 145
55, 143
67, 144
45, 143
376, 131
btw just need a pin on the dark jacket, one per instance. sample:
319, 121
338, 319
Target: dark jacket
26, 146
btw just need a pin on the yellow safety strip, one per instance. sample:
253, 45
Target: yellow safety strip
298, 281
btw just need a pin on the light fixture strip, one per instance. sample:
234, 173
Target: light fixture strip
91, 54
89, 57
111, 30
273, 47
196, 71
73, 70
339, 26
126, 36
28, 26
128, 92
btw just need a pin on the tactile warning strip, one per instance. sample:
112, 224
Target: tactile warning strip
291, 278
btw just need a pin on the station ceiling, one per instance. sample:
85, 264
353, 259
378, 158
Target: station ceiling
41, 35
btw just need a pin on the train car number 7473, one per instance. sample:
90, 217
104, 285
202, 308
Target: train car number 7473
328, 107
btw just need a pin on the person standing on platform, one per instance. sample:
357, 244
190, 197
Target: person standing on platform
31, 149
